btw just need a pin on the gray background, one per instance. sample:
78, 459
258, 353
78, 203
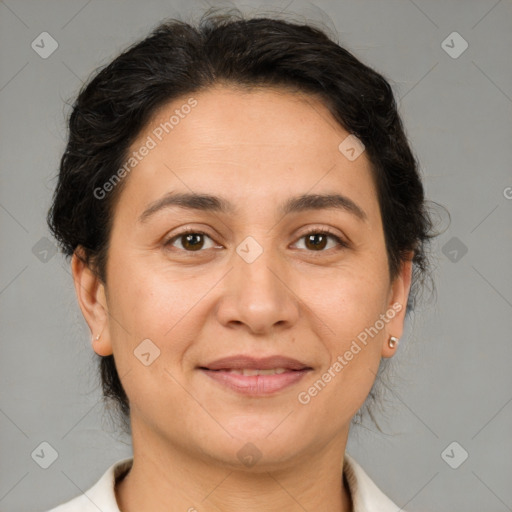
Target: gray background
453, 379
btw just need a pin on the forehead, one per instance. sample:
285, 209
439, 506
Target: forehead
262, 143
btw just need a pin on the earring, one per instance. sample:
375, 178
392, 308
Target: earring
393, 342
97, 337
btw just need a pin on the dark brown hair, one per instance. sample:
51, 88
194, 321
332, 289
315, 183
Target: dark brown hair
178, 59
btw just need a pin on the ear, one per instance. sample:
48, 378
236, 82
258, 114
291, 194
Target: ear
397, 303
90, 293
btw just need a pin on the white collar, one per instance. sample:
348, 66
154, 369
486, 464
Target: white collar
366, 496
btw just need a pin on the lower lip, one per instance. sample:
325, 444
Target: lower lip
256, 385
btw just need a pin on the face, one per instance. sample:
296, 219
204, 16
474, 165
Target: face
253, 273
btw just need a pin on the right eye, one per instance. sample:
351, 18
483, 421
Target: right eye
191, 240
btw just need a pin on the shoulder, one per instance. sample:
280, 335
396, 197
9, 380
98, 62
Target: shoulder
101, 496
366, 496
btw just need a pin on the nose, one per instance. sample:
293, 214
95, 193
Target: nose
258, 296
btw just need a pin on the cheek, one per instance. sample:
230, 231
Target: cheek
350, 308
148, 325
148, 302
348, 300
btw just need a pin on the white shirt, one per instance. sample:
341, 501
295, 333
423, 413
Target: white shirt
366, 496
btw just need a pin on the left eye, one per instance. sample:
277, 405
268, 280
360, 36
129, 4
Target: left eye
315, 241
318, 240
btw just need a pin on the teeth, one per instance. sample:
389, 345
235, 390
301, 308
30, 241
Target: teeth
251, 372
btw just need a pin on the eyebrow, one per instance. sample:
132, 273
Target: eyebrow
217, 204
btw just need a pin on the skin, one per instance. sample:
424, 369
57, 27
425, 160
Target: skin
256, 149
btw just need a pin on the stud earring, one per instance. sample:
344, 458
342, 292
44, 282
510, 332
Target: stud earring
393, 342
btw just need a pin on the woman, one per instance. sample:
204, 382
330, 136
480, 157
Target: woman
246, 220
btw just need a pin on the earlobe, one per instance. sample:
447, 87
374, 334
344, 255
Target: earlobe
90, 293
397, 306
101, 347
390, 345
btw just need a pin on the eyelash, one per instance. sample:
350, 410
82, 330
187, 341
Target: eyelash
324, 231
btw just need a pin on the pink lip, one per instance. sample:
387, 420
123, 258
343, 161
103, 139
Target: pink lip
256, 385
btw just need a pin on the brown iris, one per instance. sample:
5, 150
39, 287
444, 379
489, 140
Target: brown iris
192, 241
318, 241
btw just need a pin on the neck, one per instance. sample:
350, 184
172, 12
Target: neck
169, 478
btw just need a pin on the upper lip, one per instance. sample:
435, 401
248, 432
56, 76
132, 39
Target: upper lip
240, 362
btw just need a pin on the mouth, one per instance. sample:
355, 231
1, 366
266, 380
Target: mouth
256, 376
250, 372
